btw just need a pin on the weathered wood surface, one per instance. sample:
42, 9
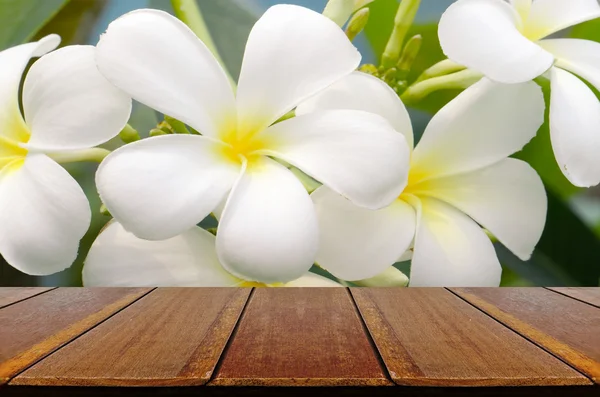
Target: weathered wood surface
567, 328
509, 342
173, 336
585, 294
300, 336
430, 337
12, 295
34, 328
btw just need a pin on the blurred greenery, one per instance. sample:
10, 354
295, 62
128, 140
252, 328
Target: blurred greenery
569, 251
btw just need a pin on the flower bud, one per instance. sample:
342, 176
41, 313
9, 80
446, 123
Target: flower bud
176, 125
129, 134
357, 23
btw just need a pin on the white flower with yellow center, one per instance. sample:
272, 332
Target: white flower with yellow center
503, 40
160, 187
459, 178
68, 106
119, 259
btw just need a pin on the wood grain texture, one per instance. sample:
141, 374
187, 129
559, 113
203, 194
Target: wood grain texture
565, 327
34, 328
174, 336
11, 295
430, 337
589, 295
300, 337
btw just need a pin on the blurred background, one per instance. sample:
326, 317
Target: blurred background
569, 251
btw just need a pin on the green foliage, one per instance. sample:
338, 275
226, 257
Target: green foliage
20, 20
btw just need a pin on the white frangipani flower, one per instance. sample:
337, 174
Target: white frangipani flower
503, 40
160, 187
67, 106
459, 178
119, 259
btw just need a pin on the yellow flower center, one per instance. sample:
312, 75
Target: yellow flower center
242, 146
12, 155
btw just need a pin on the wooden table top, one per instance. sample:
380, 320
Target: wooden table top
237, 341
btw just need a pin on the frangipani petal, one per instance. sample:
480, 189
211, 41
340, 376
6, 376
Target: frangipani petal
507, 198
68, 104
575, 128
12, 63
160, 187
268, 230
390, 277
291, 53
550, 16
355, 153
160, 62
313, 280
120, 259
360, 91
451, 250
483, 35
483, 125
581, 57
357, 243
44, 215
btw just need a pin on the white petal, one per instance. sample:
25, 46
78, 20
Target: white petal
390, 277
355, 153
268, 230
360, 91
483, 35
550, 16
313, 280
12, 64
451, 250
291, 53
119, 259
357, 243
507, 198
44, 215
581, 57
69, 105
160, 62
522, 7
484, 124
159, 187
575, 128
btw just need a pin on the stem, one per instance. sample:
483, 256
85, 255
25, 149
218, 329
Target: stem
402, 23
189, 13
439, 69
458, 80
94, 154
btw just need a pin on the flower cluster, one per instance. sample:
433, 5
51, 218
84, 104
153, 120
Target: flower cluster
299, 111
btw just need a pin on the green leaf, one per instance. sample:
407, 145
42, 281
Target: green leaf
75, 22
588, 30
20, 20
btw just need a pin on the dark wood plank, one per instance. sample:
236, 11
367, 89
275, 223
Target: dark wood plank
174, 336
34, 328
10, 295
430, 337
589, 295
300, 336
565, 327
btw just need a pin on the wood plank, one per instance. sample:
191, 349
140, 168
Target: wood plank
430, 337
300, 336
589, 295
11, 295
565, 327
34, 328
174, 336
